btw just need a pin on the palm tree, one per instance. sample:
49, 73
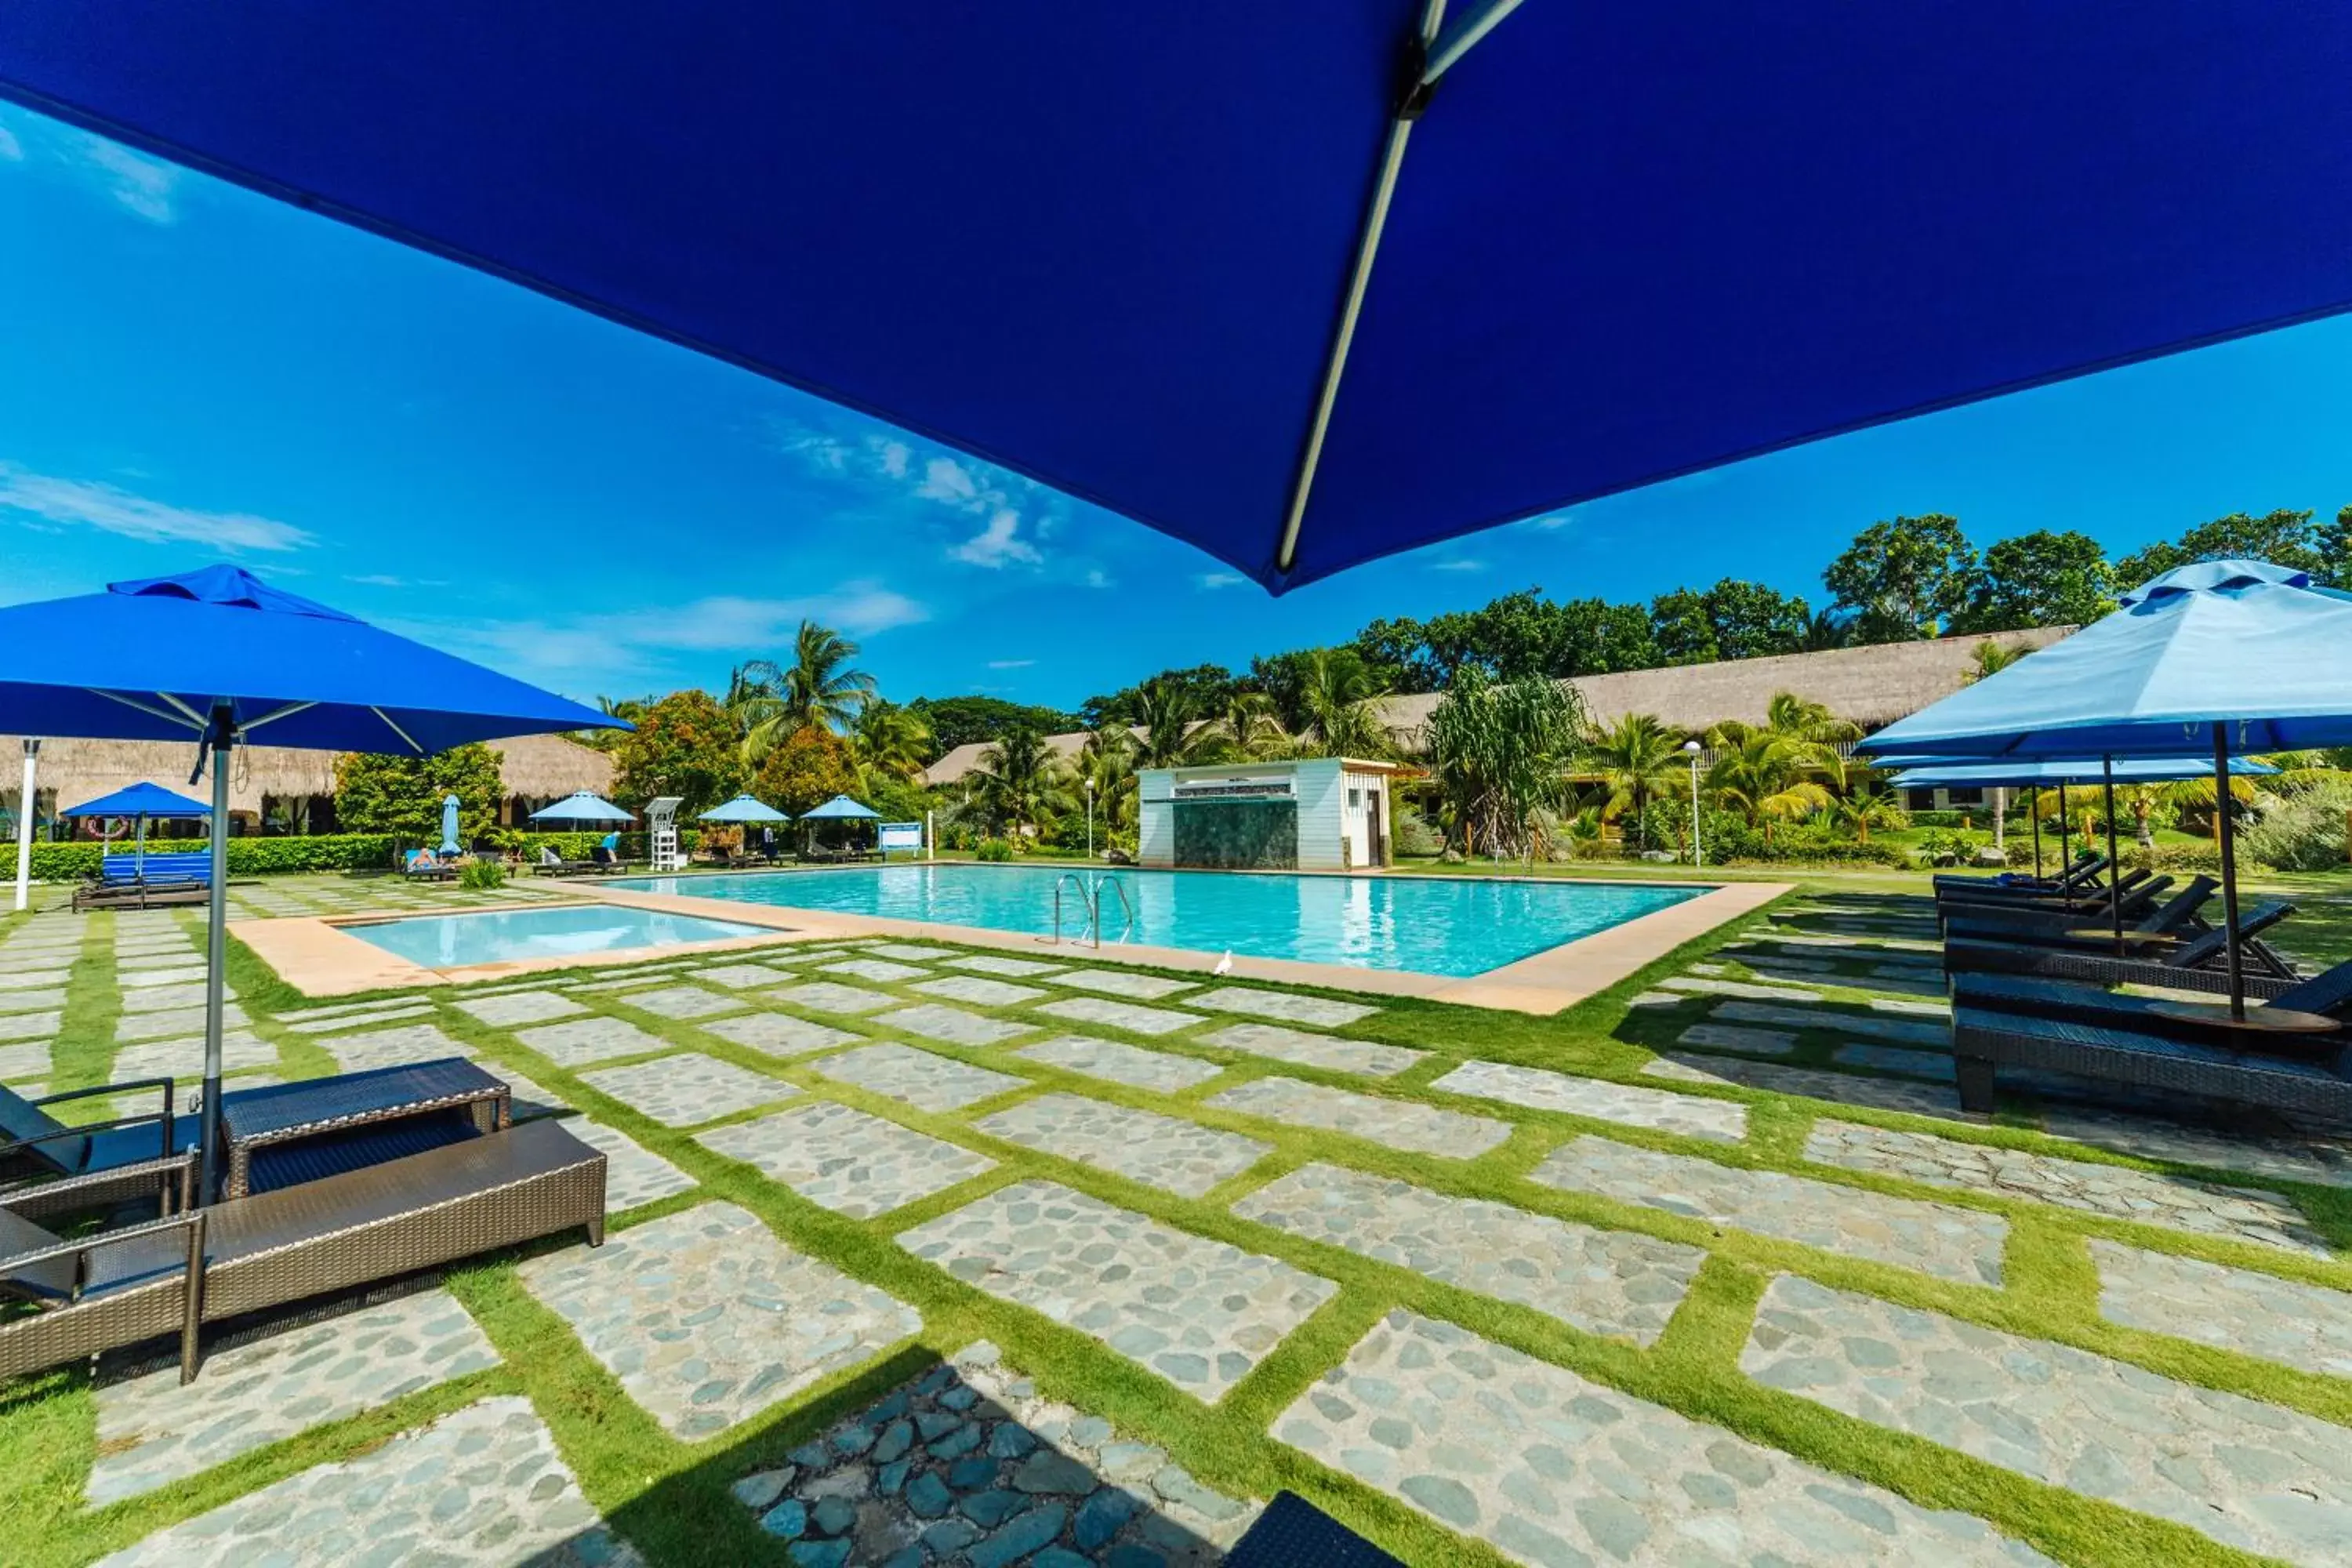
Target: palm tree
889, 742
1107, 761
1172, 736
1991, 657
1631, 759
1248, 726
1336, 691
1760, 773
1866, 808
1500, 754
818, 687
1825, 629
1020, 781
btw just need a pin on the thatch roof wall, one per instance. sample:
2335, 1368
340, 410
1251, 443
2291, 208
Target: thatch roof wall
79, 770
1872, 685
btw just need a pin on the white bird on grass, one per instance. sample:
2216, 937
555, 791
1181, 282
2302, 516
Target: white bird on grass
1225, 965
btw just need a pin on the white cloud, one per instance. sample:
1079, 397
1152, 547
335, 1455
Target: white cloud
387, 579
1010, 663
46, 500
890, 457
998, 545
1457, 565
948, 481
1097, 577
1550, 521
1220, 579
11, 149
142, 187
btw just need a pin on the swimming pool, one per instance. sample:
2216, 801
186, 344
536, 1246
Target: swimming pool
456, 942
1429, 925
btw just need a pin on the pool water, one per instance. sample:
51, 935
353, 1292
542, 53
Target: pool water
1428, 925
453, 942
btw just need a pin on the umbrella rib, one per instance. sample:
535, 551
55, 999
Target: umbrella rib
1462, 36
290, 708
183, 717
395, 730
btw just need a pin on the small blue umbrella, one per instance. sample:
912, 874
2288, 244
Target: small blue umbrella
449, 845
582, 806
219, 658
2245, 656
143, 803
841, 809
745, 809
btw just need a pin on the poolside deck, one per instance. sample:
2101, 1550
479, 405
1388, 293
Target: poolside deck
932, 1251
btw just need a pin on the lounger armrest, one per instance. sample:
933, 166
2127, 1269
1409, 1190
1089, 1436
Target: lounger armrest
123, 1088
55, 1194
83, 1246
17, 1145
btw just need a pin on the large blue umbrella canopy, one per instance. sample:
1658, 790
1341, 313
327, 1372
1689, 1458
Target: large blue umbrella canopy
2028, 774
745, 809
143, 803
1307, 283
584, 805
840, 807
219, 658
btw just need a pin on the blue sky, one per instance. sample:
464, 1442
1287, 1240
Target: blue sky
188, 372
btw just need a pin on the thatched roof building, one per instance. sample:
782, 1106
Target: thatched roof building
534, 768
1872, 685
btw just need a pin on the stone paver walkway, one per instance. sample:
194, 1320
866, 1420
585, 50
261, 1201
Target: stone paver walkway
2308, 1327
743, 977
682, 1002
393, 1047
969, 1464
2322, 1162
1132, 1016
707, 1319
154, 1429
1831, 1020
634, 1175
778, 1034
1326, 1051
918, 1077
844, 1159
689, 1088
2240, 1214
1164, 1151
1130, 1065
953, 1026
586, 1040
1283, 1007
1811, 1083
1539, 1090
876, 969
991, 963
519, 1006
1552, 1469
977, 990
1603, 1281
1392, 1123
1942, 1239
1124, 983
1198, 1312
825, 996
483, 1486
2257, 1476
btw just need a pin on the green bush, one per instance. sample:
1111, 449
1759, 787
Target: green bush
482, 875
315, 852
1943, 820
2300, 831
993, 850
1410, 834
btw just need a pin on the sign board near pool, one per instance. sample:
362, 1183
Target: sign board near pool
907, 836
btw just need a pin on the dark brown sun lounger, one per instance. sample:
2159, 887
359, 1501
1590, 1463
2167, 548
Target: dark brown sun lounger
173, 1276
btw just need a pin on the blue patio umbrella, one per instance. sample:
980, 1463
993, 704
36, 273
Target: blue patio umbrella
217, 657
449, 845
744, 808
143, 803
1983, 775
1399, 271
2243, 656
841, 809
581, 806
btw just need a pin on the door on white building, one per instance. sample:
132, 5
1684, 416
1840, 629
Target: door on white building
1358, 822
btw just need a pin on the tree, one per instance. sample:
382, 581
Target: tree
1247, 728
1336, 692
402, 795
889, 741
1021, 781
1168, 713
1206, 686
2283, 537
1402, 647
683, 745
816, 686
969, 720
1631, 759
805, 770
2041, 579
624, 708
1680, 628
1107, 761
1905, 578
1989, 657
1751, 620
1500, 754
1760, 773
1866, 808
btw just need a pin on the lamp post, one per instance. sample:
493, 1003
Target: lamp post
1698, 851
25, 824
1090, 821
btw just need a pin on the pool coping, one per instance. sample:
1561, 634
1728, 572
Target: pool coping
321, 959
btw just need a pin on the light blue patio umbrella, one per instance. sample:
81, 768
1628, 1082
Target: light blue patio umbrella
1981, 775
449, 845
745, 809
583, 806
2243, 656
841, 809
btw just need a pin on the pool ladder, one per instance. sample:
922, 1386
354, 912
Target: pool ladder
1089, 896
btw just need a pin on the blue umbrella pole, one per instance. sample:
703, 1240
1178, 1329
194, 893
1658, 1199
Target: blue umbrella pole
2033, 814
2115, 867
2229, 867
216, 957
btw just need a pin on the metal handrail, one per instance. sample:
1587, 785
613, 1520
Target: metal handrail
1085, 902
1116, 886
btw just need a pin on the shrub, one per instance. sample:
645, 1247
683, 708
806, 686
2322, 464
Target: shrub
1942, 819
2302, 831
1957, 844
482, 875
993, 850
1410, 834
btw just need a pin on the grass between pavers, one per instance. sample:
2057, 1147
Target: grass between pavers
669, 1498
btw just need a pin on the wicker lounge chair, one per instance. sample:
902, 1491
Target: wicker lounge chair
1294, 1534
2089, 967
2176, 916
2329, 993
173, 1276
1984, 1041
2078, 876
57, 1169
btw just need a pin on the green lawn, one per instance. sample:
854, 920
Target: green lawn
669, 1498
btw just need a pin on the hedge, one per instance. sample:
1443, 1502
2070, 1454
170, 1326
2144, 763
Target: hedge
71, 861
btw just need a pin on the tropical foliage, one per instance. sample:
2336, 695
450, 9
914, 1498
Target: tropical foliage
402, 795
1021, 784
683, 745
807, 768
1631, 759
1500, 754
818, 685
